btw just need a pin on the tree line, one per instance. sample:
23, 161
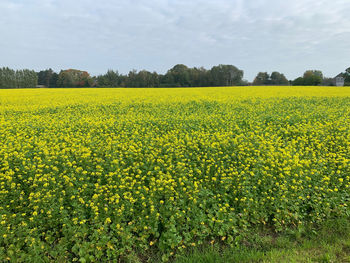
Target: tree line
178, 76
17, 79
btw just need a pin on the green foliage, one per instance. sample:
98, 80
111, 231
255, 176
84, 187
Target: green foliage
142, 78
17, 79
263, 78
276, 78
48, 78
327, 242
110, 79
310, 78
346, 76
74, 78
225, 75
178, 76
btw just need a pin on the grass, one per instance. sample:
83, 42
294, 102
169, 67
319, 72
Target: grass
329, 242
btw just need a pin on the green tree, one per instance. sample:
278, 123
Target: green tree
132, 80
74, 78
313, 77
225, 75
53, 80
17, 79
262, 78
199, 77
47, 78
278, 78
346, 76
179, 75
110, 79
145, 79
8, 78
65, 79
298, 82
310, 78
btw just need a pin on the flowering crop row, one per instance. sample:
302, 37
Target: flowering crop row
93, 174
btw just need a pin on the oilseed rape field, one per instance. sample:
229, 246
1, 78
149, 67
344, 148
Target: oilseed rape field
96, 174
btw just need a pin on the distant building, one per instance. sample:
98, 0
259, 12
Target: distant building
40, 86
339, 81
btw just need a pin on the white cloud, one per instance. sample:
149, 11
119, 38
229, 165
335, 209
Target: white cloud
255, 35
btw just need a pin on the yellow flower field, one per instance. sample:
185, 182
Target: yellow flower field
93, 174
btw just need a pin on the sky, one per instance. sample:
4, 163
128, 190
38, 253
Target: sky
254, 35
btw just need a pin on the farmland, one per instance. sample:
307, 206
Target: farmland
95, 174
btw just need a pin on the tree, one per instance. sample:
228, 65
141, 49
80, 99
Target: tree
317, 73
313, 77
167, 80
47, 78
263, 78
65, 79
156, 79
53, 80
225, 75
346, 76
131, 80
110, 79
74, 78
26, 78
179, 75
145, 79
298, 82
310, 78
199, 77
277, 78
17, 79
8, 78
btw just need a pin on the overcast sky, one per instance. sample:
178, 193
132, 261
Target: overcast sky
254, 35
